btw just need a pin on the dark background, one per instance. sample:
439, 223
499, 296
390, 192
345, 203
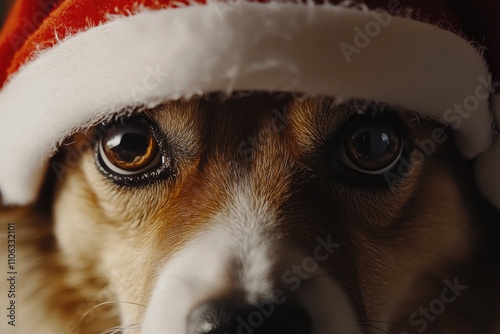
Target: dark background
4, 8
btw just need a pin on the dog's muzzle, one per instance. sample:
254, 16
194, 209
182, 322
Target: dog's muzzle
235, 277
231, 316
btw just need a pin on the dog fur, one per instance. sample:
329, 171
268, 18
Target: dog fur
90, 253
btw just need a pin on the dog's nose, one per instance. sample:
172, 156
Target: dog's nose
231, 317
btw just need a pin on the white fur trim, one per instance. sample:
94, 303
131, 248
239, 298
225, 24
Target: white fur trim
496, 108
487, 167
488, 174
156, 55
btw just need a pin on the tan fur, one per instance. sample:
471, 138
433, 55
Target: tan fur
88, 241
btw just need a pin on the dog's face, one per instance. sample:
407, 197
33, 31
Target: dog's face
264, 214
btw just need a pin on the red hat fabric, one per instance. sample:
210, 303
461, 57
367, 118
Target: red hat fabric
31, 28
67, 64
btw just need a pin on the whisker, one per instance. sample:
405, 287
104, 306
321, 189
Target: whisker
373, 327
393, 324
119, 329
384, 322
104, 304
113, 330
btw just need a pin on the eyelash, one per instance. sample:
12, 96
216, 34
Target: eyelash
164, 171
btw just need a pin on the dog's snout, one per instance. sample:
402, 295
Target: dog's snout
236, 317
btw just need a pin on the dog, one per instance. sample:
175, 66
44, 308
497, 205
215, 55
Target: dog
255, 213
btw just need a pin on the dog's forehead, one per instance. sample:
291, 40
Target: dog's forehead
238, 125
218, 121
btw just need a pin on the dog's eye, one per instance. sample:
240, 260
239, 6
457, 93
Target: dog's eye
372, 146
129, 148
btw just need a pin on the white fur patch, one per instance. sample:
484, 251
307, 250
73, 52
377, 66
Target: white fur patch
205, 266
195, 273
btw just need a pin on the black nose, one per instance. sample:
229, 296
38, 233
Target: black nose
231, 317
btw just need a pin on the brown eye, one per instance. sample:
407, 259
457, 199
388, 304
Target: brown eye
372, 146
129, 148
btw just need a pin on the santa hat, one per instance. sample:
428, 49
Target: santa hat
66, 64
